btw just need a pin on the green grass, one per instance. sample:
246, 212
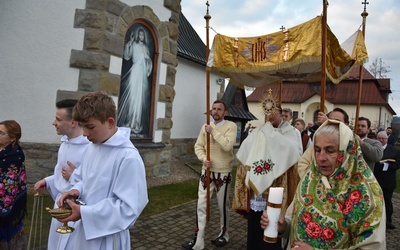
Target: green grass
165, 197
41, 220
397, 190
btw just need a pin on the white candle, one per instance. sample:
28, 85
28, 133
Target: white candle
274, 206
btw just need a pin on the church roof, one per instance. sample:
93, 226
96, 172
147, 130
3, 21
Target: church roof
235, 99
373, 92
190, 45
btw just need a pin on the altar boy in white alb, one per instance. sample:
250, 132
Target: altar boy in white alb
111, 180
70, 154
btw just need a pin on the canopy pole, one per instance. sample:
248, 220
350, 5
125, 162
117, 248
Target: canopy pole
280, 92
364, 15
208, 17
323, 55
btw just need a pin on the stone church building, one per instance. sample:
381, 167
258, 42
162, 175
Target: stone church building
63, 49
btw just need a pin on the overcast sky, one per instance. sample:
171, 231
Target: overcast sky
260, 17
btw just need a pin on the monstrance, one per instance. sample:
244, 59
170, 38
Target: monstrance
268, 105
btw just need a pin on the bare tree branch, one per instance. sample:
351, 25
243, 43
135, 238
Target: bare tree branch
378, 69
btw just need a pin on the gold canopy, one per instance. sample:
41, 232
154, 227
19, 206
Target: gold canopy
291, 54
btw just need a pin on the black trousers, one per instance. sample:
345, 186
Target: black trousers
387, 195
255, 234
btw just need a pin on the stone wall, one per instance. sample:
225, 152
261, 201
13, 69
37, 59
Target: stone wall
105, 24
183, 149
40, 159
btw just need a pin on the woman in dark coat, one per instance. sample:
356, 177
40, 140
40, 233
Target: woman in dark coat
13, 190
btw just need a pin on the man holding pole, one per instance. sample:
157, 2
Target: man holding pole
219, 165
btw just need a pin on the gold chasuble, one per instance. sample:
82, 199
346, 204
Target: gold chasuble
290, 54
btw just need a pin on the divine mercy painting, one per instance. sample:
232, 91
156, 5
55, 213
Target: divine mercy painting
135, 96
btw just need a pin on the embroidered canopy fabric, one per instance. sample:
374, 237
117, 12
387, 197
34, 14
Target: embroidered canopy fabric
291, 54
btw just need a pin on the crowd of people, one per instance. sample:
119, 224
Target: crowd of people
338, 184
379, 162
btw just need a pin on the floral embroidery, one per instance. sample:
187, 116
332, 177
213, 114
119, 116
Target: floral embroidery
346, 206
323, 219
340, 158
351, 148
321, 232
218, 181
13, 193
313, 230
262, 166
307, 217
339, 176
355, 196
357, 179
308, 200
366, 224
328, 234
12, 183
330, 198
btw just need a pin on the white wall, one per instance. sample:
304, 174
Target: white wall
156, 5
190, 100
36, 41
373, 113
312, 104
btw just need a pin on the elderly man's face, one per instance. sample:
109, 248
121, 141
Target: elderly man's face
382, 138
326, 149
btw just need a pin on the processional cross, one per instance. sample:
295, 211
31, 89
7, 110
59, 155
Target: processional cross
365, 4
